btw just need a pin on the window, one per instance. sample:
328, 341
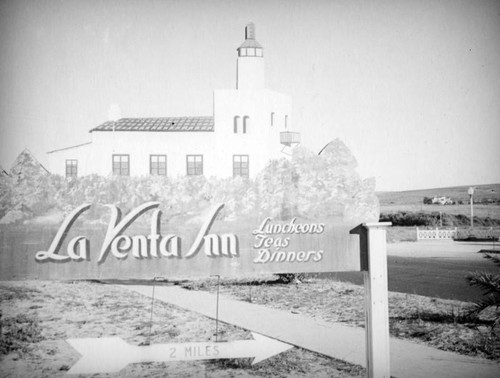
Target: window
272, 118
158, 165
259, 52
194, 165
241, 165
251, 51
243, 52
246, 124
71, 168
236, 124
121, 165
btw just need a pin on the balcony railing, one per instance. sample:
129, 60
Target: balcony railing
289, 137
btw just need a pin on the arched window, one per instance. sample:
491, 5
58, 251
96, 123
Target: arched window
246, 124
236, 123
272, 118
286, 121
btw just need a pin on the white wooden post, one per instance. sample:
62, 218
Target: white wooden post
373, 250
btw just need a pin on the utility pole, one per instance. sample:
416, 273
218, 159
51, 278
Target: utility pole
471, 196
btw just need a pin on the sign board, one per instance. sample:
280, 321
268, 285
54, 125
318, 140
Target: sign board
111, 354
136, 247
146, 244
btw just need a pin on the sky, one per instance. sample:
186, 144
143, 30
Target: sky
411, 87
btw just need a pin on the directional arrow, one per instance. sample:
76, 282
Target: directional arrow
111, 354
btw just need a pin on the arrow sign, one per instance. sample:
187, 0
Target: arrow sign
111, 354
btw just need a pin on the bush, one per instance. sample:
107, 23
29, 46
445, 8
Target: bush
406, 219
490, 284
427, 201
18, 332
434, 219
308, 186
288, 278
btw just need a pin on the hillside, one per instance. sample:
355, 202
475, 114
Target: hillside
456, 193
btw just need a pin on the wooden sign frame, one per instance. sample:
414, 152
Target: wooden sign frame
373, 250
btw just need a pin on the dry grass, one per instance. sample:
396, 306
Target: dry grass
482, 211
84, 309
435, 322
456, 193
401, 234
412, 201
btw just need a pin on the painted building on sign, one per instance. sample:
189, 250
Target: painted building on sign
249, 126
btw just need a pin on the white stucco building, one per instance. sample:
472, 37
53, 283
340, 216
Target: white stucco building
250, 125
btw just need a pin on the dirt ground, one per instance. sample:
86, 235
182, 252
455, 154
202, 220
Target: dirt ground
436, 322
38, 316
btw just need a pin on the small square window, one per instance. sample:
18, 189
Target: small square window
241, 165
121, 166
158, 165
194, 165
71, 168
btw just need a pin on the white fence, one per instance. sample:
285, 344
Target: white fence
436, 234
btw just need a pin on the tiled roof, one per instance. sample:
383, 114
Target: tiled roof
158, 124
250, 43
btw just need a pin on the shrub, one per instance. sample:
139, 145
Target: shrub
288, 278
434, 219
407, 219
308, 186
18, 332
490, 284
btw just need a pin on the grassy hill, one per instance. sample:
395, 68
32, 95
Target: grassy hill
412, 201
399, 205
456, 193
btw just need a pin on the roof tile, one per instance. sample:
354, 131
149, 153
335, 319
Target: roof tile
191, 124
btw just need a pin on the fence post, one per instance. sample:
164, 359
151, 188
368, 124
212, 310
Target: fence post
373, 251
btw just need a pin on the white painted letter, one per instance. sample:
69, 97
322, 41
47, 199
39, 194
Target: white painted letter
51, 254
82, 243
115, 226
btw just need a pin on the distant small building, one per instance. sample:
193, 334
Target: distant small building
442, 200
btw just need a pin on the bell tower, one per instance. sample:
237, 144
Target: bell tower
250, 64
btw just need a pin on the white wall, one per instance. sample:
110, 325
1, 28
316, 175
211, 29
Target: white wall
140, 145
82, 153
250, 73
261, 141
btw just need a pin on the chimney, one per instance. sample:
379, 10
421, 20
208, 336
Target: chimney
250, 31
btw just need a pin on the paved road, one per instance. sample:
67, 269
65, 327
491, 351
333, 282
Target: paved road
434, 269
